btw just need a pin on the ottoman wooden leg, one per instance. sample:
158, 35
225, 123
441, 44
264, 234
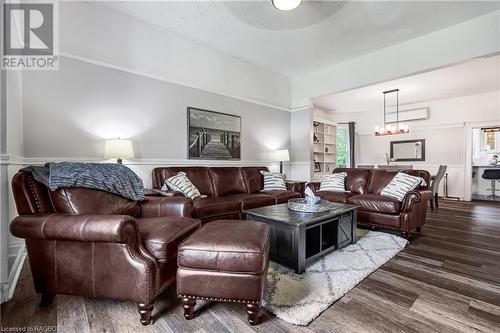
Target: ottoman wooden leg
253, 313
188, 306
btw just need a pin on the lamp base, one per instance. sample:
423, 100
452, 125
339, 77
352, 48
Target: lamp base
281, 167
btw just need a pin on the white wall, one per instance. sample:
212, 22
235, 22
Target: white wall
68, 118
11, 144
473, 38
300, 142
444, 133
100, 34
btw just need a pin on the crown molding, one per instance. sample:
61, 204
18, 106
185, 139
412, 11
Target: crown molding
161, 78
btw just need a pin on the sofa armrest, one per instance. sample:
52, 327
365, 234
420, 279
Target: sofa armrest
296, 186
166, 206
409, 200
314, 186
79, 228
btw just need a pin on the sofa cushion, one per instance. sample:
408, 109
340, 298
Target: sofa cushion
162, 235
356, 180
255, 200
227, 181
199, 176
273, 181
227, 246
215, 206
340, 197
254, 180
375, 203
401, 184
334, 182
181, 183
281, 196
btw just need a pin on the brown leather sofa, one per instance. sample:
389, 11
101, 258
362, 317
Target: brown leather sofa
374, 210
96, 244
228, 190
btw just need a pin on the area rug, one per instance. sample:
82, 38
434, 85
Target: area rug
299, 299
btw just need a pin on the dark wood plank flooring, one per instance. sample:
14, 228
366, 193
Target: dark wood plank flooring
446, 280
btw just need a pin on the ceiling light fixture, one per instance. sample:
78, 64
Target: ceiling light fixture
399, 128
286, 4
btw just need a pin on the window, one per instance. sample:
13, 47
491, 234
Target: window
342, 146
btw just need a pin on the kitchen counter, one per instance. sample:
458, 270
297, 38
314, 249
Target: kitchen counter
481, 186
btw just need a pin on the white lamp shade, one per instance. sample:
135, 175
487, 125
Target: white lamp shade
281, 156
118, 148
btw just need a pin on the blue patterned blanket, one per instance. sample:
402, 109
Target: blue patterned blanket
112, 178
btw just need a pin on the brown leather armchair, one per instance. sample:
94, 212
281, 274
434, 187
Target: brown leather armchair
96, 244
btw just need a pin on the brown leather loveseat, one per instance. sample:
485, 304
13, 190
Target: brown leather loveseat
96, 244
364, 187
228, 190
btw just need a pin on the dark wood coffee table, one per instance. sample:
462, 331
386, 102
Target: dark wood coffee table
297, 239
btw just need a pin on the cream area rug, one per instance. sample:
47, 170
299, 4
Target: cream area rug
299, 299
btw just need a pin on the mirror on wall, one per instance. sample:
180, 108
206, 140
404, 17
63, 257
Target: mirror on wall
408, 150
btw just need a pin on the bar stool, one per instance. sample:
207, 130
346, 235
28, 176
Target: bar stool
494, 176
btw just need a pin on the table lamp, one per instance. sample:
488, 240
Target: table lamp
118, 148
281, 156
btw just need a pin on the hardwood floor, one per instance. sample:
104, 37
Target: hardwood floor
446, 280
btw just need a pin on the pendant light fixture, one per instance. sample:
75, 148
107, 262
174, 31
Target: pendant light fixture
286, 4
388, 129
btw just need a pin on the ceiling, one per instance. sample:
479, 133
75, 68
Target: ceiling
476, 76
315, 35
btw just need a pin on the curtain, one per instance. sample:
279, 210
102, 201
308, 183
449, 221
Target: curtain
352, 136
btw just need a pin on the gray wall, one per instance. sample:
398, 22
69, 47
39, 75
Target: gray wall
68, 113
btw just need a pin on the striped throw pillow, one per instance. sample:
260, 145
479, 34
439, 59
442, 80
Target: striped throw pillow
334, 182
273, 181
181, 183
401, 184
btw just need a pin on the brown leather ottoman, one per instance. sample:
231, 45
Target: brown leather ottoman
225, 261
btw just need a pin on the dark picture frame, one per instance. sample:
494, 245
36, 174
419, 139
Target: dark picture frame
213, 135
422, 157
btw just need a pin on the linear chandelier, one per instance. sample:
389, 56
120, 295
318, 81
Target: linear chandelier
388, 129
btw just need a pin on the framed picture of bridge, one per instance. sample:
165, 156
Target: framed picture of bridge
213, 135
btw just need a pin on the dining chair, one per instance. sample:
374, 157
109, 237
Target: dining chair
435, 180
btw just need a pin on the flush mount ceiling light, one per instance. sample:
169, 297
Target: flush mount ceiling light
286, 4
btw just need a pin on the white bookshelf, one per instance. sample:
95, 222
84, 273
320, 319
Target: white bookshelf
324, 148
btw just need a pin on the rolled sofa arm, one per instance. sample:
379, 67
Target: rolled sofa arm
296, 186
409, 200
166, 206
314, 186
79, 228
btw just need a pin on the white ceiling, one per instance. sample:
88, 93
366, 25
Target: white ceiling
473, 77
315, 35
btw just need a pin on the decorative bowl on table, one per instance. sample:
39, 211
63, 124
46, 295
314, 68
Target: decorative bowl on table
305, 206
